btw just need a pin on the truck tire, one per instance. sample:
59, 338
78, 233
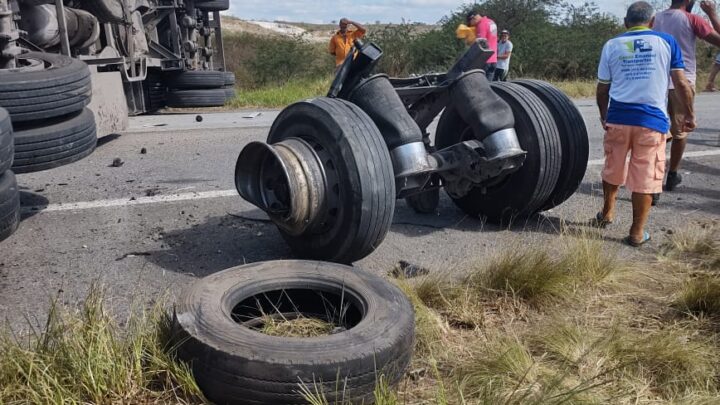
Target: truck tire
236, 364
197, 79
573, 139
213, 5
7, 147
524, 192
363, 193
229, 78
106, 11
55, 143
196, 98
61, 88
9, 205
229, 93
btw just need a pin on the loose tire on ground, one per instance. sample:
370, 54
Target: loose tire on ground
229, 93
573, 139
197, 79
213, 5
196, 98
363, 200
55, 142
229, 78
236, 364
62, 87
9, 205
524, 192
7, 147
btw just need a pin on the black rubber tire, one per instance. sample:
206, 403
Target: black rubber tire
61, 89
9, 205
229, 93
196, 79
424, 203
7, 145
196, 98
213, 5
573, 138
524, 192
234, 364
364, 173
156, 94
55, 143
106, 11
229, 79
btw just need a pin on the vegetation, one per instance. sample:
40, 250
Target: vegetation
554, 40
567, 321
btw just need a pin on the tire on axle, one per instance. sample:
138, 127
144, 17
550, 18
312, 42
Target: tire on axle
524, 192
325, 178
573, 139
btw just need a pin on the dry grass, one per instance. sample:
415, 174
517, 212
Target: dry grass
83, 356
566, 324
299, 327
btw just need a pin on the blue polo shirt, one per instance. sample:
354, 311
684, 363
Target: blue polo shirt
637, 66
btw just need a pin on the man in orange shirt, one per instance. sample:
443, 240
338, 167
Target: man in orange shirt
342, 41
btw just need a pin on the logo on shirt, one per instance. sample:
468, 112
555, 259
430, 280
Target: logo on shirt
638, 45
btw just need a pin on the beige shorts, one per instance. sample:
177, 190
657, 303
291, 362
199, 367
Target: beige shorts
645, 170
677, 114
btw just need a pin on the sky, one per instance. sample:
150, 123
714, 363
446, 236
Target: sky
324, 11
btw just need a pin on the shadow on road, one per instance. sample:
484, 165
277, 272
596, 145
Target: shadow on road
34, 200
217, 244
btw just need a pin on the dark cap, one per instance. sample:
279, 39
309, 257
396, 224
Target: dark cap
470, 15
504, 32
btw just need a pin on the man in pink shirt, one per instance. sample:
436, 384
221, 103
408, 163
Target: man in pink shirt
486, 29
685, 28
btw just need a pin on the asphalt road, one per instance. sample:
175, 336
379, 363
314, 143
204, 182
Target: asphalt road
163, 218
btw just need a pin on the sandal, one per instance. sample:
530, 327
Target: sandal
630, 242
599, 221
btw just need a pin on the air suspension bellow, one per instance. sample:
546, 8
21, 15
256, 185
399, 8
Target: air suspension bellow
286, 180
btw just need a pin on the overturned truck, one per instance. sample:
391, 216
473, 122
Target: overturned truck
333, 167
74, 69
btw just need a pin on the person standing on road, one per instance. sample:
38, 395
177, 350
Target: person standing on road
505, 48
342, 42
633, 78
713, 75
685, 28
486, 30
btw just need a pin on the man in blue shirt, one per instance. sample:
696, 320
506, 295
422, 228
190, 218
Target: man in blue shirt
633, 76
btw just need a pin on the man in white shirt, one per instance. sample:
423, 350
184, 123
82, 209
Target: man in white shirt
505, 48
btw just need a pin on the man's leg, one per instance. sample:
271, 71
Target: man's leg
679, 142
610, 193
641, 203
498, 75
714, 70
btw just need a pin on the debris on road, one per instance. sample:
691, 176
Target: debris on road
132, 254
199, 118
117, 162
143, 151
408, 270
252, 115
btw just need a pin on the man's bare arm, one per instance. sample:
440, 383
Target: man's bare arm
603, 101
713, 39
709, 8
683, 88
359, 26
506, 55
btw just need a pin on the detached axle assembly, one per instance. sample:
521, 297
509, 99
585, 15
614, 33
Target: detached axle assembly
333, 167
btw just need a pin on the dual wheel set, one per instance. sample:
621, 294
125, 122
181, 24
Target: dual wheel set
191, 88
44, 123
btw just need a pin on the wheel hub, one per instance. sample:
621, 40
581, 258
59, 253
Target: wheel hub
286, 180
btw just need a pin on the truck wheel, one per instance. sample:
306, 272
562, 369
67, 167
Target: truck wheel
7, 148
9, 205
46, 86
229, 78
213, 5
229, 93
196, 98
197, 79
218, 322
361, 182
573, 139
106, 11
525, 191
56, 143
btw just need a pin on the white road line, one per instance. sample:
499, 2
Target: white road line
702, 153
126, 202
204, 195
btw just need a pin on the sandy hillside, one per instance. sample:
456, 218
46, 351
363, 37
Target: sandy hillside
235, 25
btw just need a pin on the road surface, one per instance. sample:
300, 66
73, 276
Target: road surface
165, 217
